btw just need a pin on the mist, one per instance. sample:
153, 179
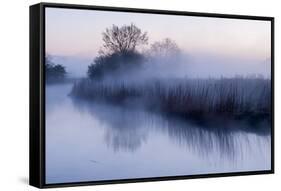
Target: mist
198, 66
76, 66
182, 66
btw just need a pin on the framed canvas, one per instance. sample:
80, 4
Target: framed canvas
127, 95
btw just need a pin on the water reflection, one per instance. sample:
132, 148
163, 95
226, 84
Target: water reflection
128, 128
89, 141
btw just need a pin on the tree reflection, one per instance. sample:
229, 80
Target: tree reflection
127, 129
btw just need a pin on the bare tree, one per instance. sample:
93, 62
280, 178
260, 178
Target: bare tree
165, 48
122, 39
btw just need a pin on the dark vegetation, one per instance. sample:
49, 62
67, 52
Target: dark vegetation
54, 72
115, 64
185, 97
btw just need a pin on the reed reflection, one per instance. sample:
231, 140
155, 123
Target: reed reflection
127, 129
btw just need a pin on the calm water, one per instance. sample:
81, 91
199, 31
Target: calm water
87, 142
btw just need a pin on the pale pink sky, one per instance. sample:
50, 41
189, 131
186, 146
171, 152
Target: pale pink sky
73, 32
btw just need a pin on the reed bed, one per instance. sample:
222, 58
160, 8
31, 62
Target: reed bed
184, 97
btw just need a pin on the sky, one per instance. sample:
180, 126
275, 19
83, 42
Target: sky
78, 33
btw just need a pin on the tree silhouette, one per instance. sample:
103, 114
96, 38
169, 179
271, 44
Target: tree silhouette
54, 72
164, 49
122, 39
118, 52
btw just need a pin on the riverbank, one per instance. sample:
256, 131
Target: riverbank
235, 97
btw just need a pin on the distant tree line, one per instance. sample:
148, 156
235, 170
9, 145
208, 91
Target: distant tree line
54, 72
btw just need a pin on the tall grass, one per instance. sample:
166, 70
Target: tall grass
184, 97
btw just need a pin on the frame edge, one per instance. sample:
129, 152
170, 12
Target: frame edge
36, 61
35, 172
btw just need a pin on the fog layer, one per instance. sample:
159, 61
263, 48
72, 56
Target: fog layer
184, 65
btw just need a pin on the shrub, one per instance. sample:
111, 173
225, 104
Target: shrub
114, 64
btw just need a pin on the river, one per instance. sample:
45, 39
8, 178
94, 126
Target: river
91, 142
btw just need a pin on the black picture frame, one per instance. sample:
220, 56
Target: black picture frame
37, 94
